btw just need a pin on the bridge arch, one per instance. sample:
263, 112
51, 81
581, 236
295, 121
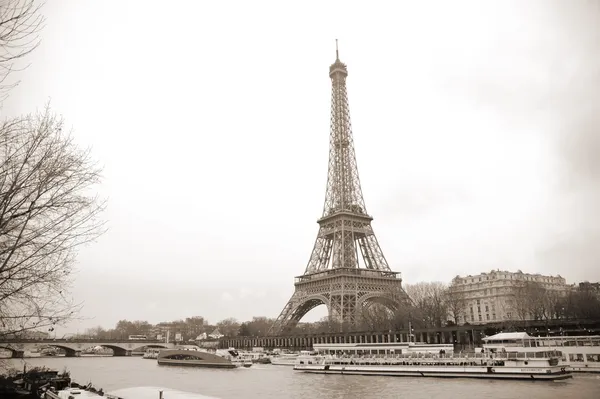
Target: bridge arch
117, 350
69, 351
9, 349
145, 346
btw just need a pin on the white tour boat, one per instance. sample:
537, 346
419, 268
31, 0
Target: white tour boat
151, 353
234, 357
426, 360
579, 353
288, 359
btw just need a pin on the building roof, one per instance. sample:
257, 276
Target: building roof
215, 333
508, 336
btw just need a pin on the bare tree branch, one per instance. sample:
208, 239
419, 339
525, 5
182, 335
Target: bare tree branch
430, 299
20, 25
47, 211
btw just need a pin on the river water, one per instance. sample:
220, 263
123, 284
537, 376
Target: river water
268, 381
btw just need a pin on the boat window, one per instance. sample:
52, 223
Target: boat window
576, 357
595, 342
591, 357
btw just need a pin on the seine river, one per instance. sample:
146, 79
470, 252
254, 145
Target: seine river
267, 381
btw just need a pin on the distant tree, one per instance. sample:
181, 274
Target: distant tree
377, 317
96, 332
259, 326
195, 322
229, 327
20, 25
194, 326
244, 330
580, 303
46, 213
529, 300
304, 328
125, 328
326, 325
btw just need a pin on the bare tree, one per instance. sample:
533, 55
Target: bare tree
391, 311
258, 326
580, 303
430, 300
229, 327
46, 212
377, 317
326, 325
530, 300
456, 303
20, 25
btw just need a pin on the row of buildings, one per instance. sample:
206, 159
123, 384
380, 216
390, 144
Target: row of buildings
500, 296
180, 332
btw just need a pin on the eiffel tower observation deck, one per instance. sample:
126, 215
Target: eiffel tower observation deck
347, 270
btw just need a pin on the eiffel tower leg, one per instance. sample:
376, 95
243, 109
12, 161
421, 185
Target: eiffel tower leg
344, 309
299, 304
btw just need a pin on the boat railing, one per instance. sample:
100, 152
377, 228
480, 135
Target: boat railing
499, 355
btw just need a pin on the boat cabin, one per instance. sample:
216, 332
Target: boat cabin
383, 349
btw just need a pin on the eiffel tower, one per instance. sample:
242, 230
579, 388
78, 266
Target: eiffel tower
336, 275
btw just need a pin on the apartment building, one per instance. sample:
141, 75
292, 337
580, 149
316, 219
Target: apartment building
496, 296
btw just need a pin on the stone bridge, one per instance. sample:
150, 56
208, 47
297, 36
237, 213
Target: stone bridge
73, 347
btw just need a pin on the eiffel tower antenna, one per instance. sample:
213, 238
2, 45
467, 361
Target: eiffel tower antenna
337, 53
347, 268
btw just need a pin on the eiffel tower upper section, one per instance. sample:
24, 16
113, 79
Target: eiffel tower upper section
345, 226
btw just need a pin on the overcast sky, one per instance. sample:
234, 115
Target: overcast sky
476, 129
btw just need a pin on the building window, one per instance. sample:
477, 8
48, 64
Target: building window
487, 316
486, 308
493, 316
472, 318
479, 317
479, 309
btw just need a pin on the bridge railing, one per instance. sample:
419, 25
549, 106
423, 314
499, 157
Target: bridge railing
77, 340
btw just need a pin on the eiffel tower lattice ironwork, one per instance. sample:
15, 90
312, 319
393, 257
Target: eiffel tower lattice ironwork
347, 269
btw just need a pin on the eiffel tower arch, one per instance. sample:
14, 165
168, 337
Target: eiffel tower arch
347, 269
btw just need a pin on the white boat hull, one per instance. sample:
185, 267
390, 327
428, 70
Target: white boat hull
542, 373
582, 368
283, 362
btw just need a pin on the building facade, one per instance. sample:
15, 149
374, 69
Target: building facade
500, 296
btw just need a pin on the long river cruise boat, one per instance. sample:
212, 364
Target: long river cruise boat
578, 353
411, 359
